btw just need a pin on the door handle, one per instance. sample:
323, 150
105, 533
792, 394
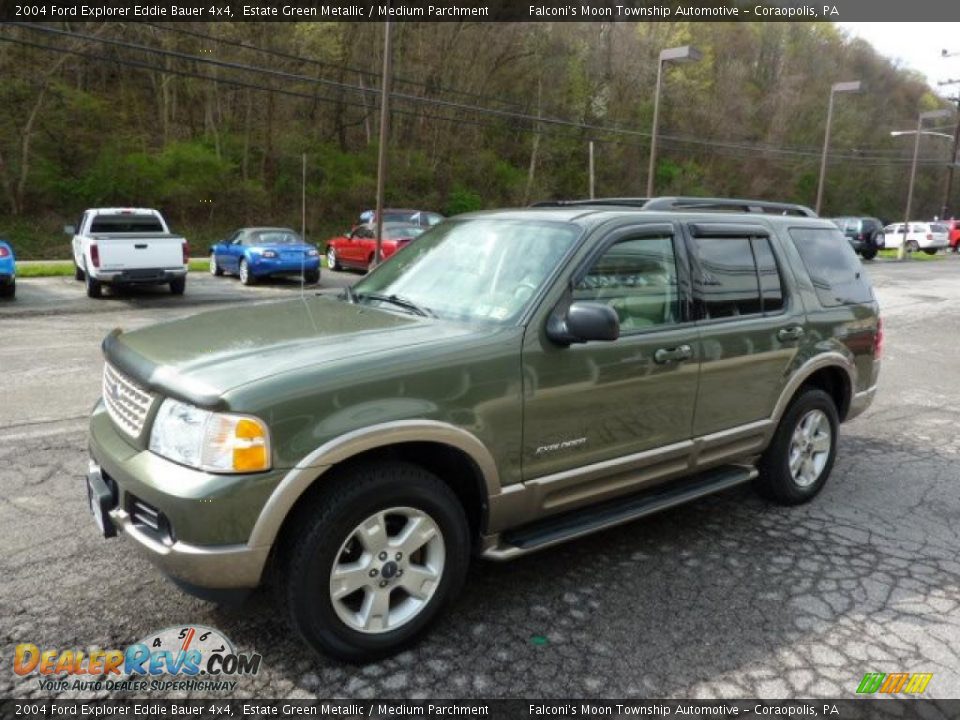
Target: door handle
794, 332
668, 355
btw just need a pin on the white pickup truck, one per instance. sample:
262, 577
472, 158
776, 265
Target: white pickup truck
127, 246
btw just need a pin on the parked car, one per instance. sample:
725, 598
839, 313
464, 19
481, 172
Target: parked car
356, 248
258, 252
510, 381
953, 239
863, 234
8, 270
925, 236
127, 246
421, 218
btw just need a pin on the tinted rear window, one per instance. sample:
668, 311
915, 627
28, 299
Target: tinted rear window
125, 223
833, 266
938, 228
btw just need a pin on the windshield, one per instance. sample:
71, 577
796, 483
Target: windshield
277, 237
402, 231
472, 270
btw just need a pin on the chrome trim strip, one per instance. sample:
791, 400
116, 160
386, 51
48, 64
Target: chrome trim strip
800, 375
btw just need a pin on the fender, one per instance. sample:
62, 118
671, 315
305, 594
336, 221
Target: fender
802, 374
312, 467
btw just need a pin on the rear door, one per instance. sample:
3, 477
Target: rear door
593, 409
749, 330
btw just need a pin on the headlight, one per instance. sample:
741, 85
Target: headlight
269, 253
217, 442
312, 253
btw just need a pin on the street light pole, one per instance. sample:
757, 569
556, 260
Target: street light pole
852, 86
945, 208
384, 133
685, 53
913, 173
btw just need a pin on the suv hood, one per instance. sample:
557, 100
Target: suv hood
199, 358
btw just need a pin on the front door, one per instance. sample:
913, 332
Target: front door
597, 409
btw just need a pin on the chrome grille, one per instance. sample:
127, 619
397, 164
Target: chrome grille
126, 402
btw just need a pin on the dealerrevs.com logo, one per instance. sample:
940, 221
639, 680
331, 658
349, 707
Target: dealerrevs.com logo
890, 683
196, 657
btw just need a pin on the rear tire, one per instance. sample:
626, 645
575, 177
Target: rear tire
215, 269
333, 262
178, 286
9, 291
311, 277
339, 616
930, 251
94, 287
798, 461
246, 277
868, 253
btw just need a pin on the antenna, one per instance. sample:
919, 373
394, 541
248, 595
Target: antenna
303, 222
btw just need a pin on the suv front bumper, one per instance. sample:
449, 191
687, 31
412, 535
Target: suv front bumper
123, 480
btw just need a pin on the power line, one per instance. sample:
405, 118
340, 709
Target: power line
713, 144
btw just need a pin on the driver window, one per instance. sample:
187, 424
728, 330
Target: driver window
637, 277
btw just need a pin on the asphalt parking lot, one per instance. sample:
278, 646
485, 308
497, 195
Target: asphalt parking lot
727, 597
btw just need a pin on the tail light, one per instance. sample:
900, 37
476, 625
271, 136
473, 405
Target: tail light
4, 252
878, 340
929, 236
95, 255
186, 253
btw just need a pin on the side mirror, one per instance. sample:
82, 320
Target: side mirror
69, 230
584, 322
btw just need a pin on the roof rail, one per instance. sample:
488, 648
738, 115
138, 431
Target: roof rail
728, 205
702, 204
619, 202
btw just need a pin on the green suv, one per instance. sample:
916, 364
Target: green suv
510, 381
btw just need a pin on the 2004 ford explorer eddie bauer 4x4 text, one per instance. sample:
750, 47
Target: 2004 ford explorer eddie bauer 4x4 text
511, 380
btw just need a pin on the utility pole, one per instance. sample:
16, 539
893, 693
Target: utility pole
382, 150
948, 189
592, 195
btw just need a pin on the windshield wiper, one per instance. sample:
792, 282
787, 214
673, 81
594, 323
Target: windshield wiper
394, 300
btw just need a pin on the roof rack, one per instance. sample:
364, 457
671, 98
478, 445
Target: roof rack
702, 204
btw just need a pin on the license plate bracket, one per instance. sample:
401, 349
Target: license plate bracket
100, 500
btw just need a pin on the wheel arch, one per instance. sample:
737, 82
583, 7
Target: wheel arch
831, 372
456, 456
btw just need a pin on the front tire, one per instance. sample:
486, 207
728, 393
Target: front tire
912, 246
246, 277
798, 461
78, 274
311, 277
372, 559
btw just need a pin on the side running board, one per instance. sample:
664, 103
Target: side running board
559, 528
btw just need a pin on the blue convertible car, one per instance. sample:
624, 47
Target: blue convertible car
8, 271
259, 252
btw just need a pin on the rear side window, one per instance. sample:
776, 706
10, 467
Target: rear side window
738, 276
833, 266
125, 223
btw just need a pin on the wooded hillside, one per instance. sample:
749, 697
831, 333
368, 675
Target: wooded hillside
484, 115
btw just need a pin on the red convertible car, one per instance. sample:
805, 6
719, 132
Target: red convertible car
356, 248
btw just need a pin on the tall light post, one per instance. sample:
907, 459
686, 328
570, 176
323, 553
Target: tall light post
851, 86
384, 134
929, 115
948, 186
685, 53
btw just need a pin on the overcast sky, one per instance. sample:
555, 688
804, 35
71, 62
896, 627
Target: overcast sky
917, 46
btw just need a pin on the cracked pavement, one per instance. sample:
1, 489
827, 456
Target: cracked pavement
728, 597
